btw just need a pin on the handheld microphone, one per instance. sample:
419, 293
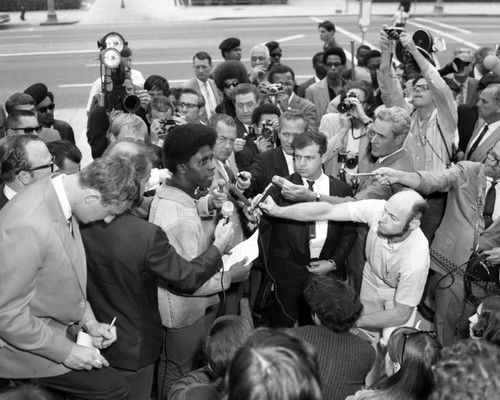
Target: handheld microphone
220, 184
265, 193
281, 182
237, 192
227, 210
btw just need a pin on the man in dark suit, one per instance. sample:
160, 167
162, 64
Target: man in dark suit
299, 249
123, 280
286, 99
468, 85
43, 300
278, 161
319, 73
25, 159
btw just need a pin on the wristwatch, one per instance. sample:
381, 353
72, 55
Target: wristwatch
370, 121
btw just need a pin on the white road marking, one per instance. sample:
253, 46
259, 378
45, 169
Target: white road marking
48, 53
20, 37
428, 21
288, 38
447, 35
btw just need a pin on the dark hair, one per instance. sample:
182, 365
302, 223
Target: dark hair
308, 138
156, 82
161, 104
418, 209
334, 302
14, 117
280, 69
274, 365
13, 156
488, 323
116, 178
226, 335
62, 150
468, 370
183, 142
245, 88
176, 92
201, 99
487, 80
202, 55
452, 84
329, 26
317, 58
414, 380
216, 118
231, 69
371, 54
18, 99
365, 87
266, 108
362, 47
335, 51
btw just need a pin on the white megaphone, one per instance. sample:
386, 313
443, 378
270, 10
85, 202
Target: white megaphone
492, 63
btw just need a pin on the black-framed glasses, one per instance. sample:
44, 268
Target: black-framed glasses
29, 130
43, 110
420, 88
491, 157
229, 85
431, 334
276, 54
189, 106
49, 165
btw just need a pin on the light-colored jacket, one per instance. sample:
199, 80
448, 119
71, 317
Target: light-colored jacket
176, 213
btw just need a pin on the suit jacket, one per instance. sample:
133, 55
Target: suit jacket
42, 286
307, 108
241, 130
265, 166
3, 199
301, 91
472, 95
485, 145
318, 95
65, 130
193, 84
467, 119
125, 260
289, 251
466, 187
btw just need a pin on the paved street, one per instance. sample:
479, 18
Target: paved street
63, 56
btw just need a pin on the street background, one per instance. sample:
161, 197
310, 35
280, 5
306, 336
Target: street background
164, 39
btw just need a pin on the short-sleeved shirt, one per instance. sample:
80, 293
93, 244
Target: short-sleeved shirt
401, 266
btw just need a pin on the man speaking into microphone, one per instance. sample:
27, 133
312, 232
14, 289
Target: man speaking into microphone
302, 248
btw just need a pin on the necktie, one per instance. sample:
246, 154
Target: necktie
460, 96
476, 143
489, 205
209, 106
70, 225
229, 172
311, 226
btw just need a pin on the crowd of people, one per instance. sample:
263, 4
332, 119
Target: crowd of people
373, 190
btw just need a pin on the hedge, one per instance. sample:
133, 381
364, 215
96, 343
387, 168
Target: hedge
15, 5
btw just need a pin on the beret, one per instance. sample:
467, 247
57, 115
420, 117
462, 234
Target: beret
38, 91
229, 44
272, 45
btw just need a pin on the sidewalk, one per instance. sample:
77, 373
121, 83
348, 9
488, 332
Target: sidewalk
105, 12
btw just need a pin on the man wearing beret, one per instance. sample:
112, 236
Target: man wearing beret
231, 49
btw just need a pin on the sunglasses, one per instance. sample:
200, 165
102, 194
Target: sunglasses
49, 165
431, 334
29, 130
466, 63
43, 110
276, 54
229, 85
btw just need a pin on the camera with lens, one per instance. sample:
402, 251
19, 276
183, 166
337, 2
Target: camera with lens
346, 105
166, 124
269, 131
393, 32
350, 162
274, 88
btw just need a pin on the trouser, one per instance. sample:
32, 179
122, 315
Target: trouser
289, 307
140, 382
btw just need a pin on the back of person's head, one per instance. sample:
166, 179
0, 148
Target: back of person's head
18, 99
413, 352
14, 157
274, 365
468, 370
280, 69
226, 335
156, 83
231, 69
487, 80
266, 108
309, 138
27, 392
62, 150
183, 142
335, 51
488, 323
333, 302
117, 178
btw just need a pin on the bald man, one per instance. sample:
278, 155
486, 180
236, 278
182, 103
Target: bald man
397, 254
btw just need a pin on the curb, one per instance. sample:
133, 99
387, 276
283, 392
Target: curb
47, 23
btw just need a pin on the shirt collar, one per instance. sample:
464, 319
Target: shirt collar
9, 192
380, 159
57, 182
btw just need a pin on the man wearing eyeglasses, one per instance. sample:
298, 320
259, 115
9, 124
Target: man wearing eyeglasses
472, 209
44, 106
25, 159
190, 108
